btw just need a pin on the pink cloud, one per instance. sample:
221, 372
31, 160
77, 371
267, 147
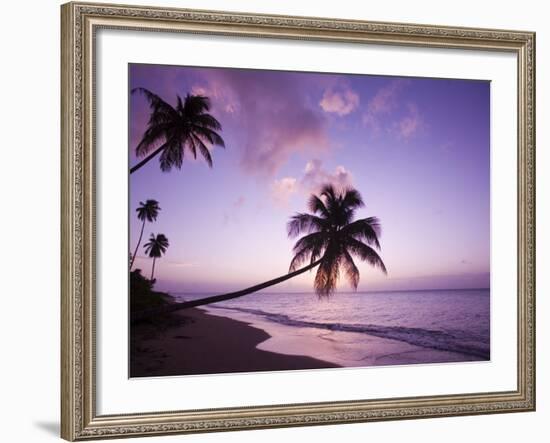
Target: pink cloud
200, 90
223, 98
273, 115
341, 103
283, 189
314, 177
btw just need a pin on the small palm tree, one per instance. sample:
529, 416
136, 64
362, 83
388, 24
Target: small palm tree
147, 211
188, 126
155, 247
332, 237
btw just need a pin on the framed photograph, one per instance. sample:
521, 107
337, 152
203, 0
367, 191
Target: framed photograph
282, 221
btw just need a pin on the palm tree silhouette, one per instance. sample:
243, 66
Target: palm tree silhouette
155, 247
147, 211
332, 237
188, 126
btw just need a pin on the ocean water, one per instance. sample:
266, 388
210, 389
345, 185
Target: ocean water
411, 326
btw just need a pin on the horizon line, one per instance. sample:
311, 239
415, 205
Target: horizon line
343, 292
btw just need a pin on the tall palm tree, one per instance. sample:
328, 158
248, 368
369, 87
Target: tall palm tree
147, 211
332, 237
188, 126
155, 247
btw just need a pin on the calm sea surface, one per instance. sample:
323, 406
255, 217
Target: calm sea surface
456, 321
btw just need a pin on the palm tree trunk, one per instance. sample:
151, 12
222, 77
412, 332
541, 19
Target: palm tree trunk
146, 159
138, 243
137, 316
153, 270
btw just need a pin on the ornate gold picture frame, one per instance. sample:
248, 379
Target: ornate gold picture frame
80, 23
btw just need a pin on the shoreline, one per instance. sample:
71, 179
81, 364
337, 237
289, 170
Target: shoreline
195, 342
346, 349
201, 341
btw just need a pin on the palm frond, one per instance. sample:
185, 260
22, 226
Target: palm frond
308, 247
328, 191
207, 121
350, 269
332, 203
305, 223
327, 274
172, 156
351, 199
157, 104
211, 136
365, 253
151, 138
300, 257
179, 106
196, 104
192, 146
316, 205
162, 240
203, 149
365, 229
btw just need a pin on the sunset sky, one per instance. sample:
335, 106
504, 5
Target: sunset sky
417, 149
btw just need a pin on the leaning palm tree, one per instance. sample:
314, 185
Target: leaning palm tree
147, 211
173, 130
155, 247
332, 238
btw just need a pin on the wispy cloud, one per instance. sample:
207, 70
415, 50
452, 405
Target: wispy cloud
386, 111
173, 263
341, 102
223, 98
383, 102
410, 124
232, 213
239, 202
181, 264
447, 146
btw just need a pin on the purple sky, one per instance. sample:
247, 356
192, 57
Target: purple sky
417, 150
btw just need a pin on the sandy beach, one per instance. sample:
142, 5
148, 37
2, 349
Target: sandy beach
206, 341
198, 343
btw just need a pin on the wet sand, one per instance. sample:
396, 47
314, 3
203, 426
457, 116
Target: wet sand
195, 342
